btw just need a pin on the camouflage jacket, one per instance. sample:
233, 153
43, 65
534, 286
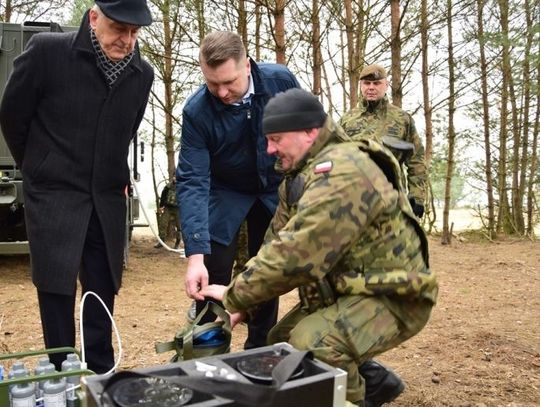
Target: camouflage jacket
385, 119
340, 225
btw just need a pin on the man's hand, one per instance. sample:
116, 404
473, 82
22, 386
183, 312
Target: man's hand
196, 277
217, 292
214, 291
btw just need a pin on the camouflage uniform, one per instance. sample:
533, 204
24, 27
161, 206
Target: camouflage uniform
373, 120
347, 237
168, 219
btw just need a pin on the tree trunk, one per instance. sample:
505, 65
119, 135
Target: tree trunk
8, 11
424, 29
258, 21
533, 160
346, 97
316, 46
526, 111
447, 233
355, 30
153, 142
517, 199
424, 34
168, 89
395, 48
504, 222
485, 118
279, 31
352, 67
242, 22
201, 20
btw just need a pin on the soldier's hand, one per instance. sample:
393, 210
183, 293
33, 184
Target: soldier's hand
237, 318
196, 277
215, 291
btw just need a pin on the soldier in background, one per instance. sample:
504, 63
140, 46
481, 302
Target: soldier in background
375, 117
167, 215
361, 292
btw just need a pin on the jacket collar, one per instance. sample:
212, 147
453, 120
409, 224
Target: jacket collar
260, 90
82, 42
378, 106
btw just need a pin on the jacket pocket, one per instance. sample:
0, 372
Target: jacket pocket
34, 167
386, 282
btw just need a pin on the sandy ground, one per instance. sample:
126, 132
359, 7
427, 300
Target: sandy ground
480, 348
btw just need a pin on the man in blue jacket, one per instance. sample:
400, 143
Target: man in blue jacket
224, 174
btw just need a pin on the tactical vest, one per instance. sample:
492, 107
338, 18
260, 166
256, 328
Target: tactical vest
391, 168
381, 276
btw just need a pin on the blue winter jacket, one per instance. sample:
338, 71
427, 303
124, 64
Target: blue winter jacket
223, 166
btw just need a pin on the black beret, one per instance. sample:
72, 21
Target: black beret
294, 109
134, 12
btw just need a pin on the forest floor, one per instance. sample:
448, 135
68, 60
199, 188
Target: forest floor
481, 347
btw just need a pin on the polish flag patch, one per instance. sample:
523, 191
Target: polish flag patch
325, 166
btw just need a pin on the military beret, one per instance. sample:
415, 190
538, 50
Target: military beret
373, 72
294, 109
134, 12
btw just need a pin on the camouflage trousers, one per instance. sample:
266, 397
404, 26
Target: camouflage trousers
169, 224
352, 330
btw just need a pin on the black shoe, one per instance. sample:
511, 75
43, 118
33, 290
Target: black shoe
382, 384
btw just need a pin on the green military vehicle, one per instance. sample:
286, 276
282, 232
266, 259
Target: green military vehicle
13, 239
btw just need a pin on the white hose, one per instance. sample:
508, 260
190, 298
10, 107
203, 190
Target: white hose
83, 354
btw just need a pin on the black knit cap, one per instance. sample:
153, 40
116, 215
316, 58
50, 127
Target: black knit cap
134, 12
294, 109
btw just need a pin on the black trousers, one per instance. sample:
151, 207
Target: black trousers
57, 311
220, 264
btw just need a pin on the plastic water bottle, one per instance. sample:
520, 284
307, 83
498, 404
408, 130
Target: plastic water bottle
1, 373
72, 362
17, 370
44, 366
54, 392
21, 394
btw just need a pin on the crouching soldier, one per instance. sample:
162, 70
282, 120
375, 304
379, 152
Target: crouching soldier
345, 235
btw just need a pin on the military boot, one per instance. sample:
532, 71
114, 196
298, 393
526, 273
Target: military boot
382, 384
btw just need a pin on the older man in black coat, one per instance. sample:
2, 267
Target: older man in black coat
69, 111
